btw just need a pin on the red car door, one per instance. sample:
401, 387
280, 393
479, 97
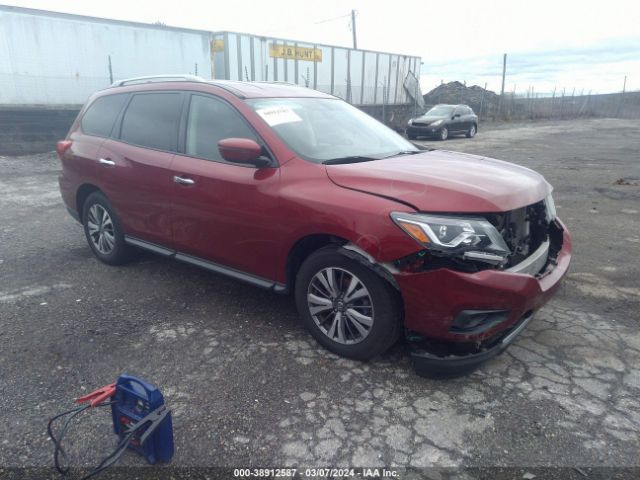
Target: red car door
222, 212
135, 168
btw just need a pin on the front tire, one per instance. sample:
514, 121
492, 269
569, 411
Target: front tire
347, 307
443, 134
472, 131
103, 231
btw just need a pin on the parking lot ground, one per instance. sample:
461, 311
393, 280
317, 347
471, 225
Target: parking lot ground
249, 387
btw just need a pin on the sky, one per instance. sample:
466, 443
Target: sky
550, 44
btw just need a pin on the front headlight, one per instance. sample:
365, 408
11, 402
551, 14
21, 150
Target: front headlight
410, 122
437, 123
550, 208
466, 237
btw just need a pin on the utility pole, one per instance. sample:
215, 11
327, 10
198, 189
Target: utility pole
624, 88
353, 29
504, 71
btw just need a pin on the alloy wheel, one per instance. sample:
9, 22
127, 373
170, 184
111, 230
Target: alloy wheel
101, 230
340, 305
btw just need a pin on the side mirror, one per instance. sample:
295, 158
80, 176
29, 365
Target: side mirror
241, 150
457, 115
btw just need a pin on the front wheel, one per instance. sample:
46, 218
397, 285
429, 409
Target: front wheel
103, 230
472, 131
444, 133
347, 307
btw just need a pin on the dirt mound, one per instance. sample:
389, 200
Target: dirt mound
456, 92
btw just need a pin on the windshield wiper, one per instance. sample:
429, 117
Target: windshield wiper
403, 152
350, 159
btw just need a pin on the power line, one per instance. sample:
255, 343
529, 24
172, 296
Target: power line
332, 19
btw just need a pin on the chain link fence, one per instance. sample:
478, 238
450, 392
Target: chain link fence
560, 104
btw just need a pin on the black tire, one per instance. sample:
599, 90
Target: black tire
386, 312
119, 252
443, 134
472, 131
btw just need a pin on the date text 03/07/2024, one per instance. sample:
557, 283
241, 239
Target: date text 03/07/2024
315, 472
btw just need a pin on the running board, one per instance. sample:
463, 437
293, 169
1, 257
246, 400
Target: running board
208, 265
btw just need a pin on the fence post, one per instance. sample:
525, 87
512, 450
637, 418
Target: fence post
532, 102
384, 101
482, 101
562, 104
553, 100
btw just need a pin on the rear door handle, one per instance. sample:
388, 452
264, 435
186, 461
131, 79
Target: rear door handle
183, 181
107, 162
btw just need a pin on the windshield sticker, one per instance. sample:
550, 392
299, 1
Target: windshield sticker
277, 115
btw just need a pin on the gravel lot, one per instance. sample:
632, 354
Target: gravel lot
249, 387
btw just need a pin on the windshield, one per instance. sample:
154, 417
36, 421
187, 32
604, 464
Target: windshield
323, 129
439, 111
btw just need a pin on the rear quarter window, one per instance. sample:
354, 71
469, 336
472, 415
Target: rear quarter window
151, 120
99, 118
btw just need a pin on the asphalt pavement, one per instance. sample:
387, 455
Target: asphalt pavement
250, 388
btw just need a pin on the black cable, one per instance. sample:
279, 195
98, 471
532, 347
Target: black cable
106, 462
57, 441
58, 450
114, 456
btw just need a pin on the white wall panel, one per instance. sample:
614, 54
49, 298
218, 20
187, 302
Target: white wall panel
55, 59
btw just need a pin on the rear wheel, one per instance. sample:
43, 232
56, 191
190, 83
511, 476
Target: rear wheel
443, 134
103, 230
472, 131
346, 306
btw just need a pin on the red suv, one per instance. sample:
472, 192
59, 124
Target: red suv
294, 190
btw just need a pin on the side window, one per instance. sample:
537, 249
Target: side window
152, 119
98, 120
210, 120
459, 111
468, 111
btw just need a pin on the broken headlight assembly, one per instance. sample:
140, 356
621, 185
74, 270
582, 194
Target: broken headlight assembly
550, 208
472, 238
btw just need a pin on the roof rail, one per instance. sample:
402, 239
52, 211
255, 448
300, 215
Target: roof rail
158, 78
275, 82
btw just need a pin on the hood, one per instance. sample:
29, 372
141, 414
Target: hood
442, 181
429, 120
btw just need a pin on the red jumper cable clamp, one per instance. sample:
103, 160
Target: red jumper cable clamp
98, 396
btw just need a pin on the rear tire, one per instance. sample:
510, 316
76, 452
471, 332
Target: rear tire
443, 134
103, 231
347, 307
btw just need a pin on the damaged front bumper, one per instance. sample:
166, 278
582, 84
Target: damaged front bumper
457, 320
428, 364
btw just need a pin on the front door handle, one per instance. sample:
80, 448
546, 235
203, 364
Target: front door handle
106, 162
183, 181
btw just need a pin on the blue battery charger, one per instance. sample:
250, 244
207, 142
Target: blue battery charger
138, 405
